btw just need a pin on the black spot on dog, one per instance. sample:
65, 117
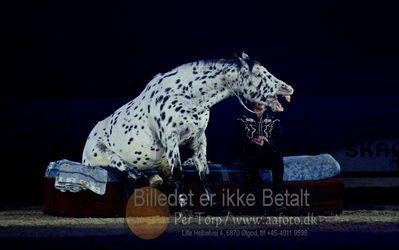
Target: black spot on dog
164, 101
259, 84
159, 122
159, 99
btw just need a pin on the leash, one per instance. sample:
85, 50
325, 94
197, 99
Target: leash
242, 103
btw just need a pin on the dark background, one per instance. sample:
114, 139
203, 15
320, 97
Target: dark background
69, 64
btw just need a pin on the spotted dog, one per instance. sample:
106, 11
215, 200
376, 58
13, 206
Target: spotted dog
173, 110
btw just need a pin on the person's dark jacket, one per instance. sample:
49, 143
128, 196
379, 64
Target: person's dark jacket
249, 127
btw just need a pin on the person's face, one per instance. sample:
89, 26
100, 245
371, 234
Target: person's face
259, 107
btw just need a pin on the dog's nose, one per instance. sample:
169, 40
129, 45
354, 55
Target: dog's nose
289, 89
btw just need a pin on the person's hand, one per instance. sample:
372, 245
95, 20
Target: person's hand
259, 140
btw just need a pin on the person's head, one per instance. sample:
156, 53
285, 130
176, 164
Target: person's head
258, 107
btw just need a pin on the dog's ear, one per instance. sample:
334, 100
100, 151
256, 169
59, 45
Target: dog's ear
244, 56
243, 59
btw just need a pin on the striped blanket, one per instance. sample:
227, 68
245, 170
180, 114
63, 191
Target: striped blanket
73, 176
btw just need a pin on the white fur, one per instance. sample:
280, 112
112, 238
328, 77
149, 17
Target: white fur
154, 140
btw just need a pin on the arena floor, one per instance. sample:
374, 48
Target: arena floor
361, 226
